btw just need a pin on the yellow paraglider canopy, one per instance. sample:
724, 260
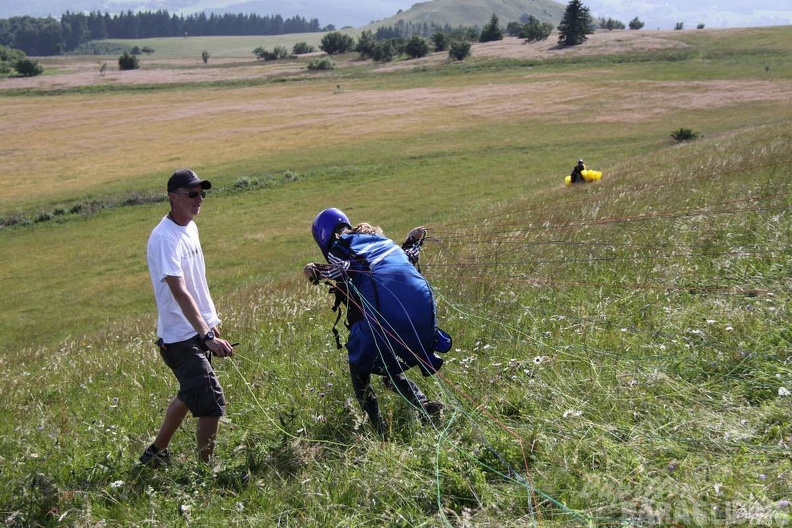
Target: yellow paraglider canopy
588, 176
591, 175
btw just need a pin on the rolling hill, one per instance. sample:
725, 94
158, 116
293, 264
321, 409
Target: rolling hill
476, 12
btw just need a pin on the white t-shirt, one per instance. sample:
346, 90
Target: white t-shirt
175, 251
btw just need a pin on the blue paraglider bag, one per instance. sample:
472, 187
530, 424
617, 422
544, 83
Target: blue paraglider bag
393, 324
442, 341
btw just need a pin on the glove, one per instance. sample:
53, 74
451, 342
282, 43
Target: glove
312, 273
416, 234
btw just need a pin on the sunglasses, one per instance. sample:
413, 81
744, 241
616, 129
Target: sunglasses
194, 194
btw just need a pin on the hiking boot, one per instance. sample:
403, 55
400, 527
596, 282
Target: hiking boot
432, 410
154, 457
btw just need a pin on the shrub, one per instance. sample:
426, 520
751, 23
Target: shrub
28, 68
366, 44
8, 58
384, 51
513, 29
147, 50
205, 56
279, 52
679, 26
302, 47
610, 23
440, 41
321, 64
636, 23
417, 47
128, 62
136, 50
459, 50
535, 30
684, 134
335, 42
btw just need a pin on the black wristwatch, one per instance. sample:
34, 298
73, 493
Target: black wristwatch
209, 336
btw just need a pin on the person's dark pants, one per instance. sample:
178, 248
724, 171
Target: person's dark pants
398, 383
199, 388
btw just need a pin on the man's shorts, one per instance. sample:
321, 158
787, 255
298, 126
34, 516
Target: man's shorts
199, 388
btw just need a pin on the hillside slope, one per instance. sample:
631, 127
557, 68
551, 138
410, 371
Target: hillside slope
476, 12
621, 349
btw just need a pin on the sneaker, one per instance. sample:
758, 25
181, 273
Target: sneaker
154, 457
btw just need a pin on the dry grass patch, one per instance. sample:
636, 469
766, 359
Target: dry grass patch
66, 72
599, 43
94, 142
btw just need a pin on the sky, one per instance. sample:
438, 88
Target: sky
656, 14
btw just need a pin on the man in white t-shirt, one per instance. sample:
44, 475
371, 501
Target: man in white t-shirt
187, 322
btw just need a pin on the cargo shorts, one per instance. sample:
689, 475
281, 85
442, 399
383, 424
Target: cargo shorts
199, 388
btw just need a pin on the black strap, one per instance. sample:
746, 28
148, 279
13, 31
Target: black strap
339, 300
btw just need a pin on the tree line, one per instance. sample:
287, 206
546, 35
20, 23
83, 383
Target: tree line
48, 36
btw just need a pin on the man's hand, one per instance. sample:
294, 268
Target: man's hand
311, 272
416, 234
220, 347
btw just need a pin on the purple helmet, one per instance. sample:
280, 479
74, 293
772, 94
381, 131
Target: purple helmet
325, 225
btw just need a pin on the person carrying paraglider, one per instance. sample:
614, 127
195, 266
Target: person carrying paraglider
577, 172
390, 309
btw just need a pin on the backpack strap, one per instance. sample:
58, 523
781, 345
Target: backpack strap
340, 299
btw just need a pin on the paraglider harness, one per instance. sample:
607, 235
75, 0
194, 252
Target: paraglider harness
576, 175
341, 294
343, 298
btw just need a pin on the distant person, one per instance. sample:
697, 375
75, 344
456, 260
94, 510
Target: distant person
577, 172
390, 309
187, 322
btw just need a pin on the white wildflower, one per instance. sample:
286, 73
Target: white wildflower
783, 391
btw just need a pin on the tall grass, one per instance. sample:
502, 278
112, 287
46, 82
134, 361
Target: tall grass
621, 350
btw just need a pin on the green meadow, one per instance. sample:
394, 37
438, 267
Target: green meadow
622, 349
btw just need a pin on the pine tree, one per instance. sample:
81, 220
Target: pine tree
491, 31
575, 25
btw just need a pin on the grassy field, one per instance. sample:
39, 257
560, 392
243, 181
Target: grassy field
621, 350
222, 47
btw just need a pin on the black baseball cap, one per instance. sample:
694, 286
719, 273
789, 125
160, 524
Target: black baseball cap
186, 178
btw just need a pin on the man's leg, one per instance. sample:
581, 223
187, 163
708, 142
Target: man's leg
174, 416
404, 386
206, 434
157, 454
361, 384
